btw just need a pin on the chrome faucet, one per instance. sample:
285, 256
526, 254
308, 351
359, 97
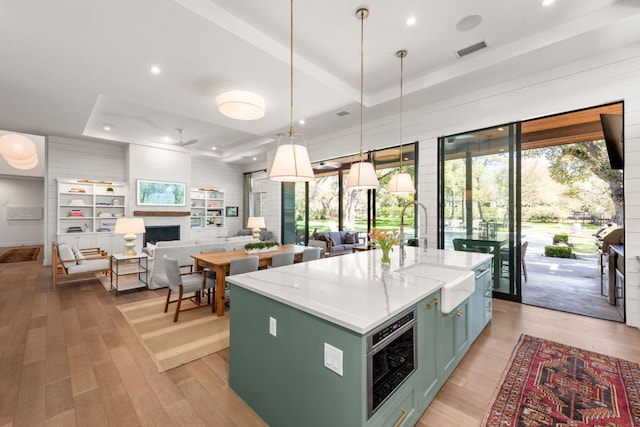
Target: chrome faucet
403, 253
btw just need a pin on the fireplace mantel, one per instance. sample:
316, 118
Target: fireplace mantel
161, 213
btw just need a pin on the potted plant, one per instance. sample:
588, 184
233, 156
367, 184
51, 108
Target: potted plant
110, 190
260, 247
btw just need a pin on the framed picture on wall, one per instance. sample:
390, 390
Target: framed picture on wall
231, 211
160, 193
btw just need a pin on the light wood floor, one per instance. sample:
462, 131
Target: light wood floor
69, 358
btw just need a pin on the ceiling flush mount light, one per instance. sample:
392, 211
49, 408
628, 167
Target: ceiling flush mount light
410, 21
154, 69
19, 151
469, 22
241, 105
362, 175
546, 2
291, 162
401, 182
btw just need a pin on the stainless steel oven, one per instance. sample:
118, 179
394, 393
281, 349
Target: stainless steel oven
391, 359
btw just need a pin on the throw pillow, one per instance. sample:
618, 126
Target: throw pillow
66, 254
350, 238
79, 257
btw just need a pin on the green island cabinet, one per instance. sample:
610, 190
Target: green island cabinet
283, 377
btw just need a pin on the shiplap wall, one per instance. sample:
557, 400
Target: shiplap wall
212, 174
81, 159
76, 158
607, 78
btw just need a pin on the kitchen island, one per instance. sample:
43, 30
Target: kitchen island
343, 341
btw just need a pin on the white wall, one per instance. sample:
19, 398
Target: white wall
597, 80
89, 159
21, 192
213, 174
77, 159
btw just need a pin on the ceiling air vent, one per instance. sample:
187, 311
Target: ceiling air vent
342, 113
470, 49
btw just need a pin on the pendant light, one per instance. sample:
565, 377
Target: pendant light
19, 151
401, 182
291, 162
362, 175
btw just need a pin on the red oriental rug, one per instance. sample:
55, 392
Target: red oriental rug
552, 384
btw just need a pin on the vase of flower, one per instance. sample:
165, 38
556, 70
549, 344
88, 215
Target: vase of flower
385, 241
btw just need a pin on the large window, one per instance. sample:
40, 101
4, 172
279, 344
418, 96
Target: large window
325, 204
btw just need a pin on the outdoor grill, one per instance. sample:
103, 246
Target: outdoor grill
605, 237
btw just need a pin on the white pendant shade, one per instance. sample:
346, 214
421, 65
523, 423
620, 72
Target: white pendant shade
401, 183
291, 164
17, 147
241, 105
362, 176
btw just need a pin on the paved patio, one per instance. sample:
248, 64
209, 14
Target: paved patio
571, 285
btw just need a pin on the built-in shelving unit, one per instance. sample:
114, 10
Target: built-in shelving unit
207, 208
88, 210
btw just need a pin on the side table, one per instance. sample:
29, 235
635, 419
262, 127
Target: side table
122, 265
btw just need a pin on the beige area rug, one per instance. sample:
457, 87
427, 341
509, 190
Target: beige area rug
197, 333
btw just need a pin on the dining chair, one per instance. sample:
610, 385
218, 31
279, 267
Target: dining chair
278, 260
239, 266
504, 260
210, 286
183, 283
310, 254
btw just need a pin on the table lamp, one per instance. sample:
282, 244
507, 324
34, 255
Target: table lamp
129, 227
256, 223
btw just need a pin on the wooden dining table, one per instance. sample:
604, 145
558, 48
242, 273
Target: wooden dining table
220, 262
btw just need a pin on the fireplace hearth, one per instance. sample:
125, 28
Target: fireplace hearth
159, 233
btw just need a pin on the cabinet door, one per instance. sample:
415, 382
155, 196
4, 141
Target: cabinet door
78, 240
428, 317
454, 338
477, 302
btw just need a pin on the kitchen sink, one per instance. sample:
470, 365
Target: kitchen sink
459, 284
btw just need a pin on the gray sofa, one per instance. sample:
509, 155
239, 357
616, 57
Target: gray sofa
338, 242
182, 250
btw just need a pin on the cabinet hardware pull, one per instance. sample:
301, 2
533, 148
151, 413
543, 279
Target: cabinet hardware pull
483, 273
431, 303
404, 415
459, 313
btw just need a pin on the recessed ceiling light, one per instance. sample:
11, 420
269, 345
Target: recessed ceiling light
254, 159
214, 148
166, 139
546, 2
154, 69
107, 127
410, 21
301, 121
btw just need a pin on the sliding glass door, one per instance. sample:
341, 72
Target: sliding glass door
479, 200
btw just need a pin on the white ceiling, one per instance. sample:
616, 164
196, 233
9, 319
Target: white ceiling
68, 66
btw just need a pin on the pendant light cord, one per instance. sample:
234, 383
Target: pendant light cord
401, 54
291, 73
362, 14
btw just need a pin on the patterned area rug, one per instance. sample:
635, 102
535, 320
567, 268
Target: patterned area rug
552, 384
20, 254
197, 333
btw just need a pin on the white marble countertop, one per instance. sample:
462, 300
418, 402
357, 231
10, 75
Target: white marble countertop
352, 290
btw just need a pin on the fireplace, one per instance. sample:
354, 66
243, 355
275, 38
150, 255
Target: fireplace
157, 233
